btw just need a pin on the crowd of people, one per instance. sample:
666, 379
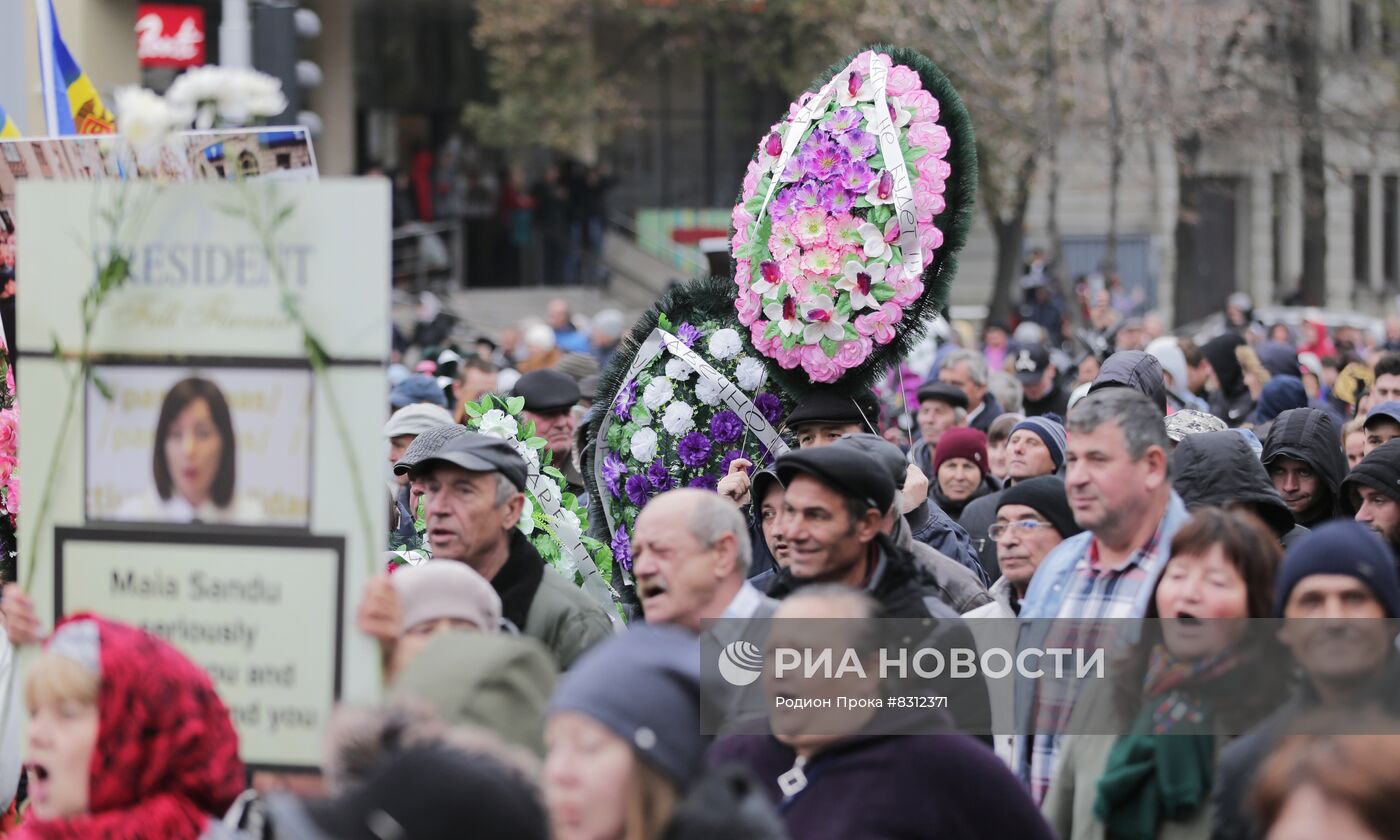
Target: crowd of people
1252, 477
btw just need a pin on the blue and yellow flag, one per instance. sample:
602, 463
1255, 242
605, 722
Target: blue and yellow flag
8, 129
71, 103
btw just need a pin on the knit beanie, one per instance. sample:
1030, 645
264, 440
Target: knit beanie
1380, 470
1044, 494
1051, 432
644, 686
1341, 547
442, 589
961, 442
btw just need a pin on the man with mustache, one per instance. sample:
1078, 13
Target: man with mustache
1117, 485
550, 397
1339, 596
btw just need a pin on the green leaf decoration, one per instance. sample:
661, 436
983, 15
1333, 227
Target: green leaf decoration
102, 387
843, 305
536, 443
876, 162
552, 472
515, 405
829, 347
882, 293
862, 202
879, 215
665, 323
791, 341
851, 335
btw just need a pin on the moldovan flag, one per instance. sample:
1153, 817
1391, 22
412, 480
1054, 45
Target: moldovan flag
8, 128
71, 103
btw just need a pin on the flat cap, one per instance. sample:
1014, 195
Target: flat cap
888, 455
943, 392
846, 469
475, 452
547, 390
416, 419
823, 405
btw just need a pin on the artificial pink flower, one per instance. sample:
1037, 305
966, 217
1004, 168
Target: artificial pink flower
820, 261
930, 240
879, 325
786, 358
738, 239
749, 306
907, 293
921, 105
783, 242
845, 233
751, 178
810, 227
819, 366
901, 80
931, 137
852, 353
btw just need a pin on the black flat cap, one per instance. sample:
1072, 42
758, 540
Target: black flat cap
547, 390
943, 392
827, 406
891, 457
474, 452
426, 444
846, 469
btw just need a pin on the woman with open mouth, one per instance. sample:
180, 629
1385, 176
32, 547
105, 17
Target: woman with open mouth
127, 738
1193, 678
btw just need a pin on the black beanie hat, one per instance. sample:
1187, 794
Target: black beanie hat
1341, 547
1046, 496
1379, 470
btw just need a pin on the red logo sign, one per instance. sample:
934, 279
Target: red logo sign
169, 36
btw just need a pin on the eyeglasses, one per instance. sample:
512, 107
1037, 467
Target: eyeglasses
1024, 527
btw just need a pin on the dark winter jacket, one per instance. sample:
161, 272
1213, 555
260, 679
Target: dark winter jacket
1241, 760
941, 576
1219, 469
893, 582
726, 802
1232, 403
930, 525
977, 517
991, 410
947, 786
1310, 435
1055, 401
1137, 370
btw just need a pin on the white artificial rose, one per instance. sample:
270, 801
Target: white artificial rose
679, 418
679, 370
659, 392
708, 391
725, 344
751, 373
527, 516
644, 445
497, 423
147, 120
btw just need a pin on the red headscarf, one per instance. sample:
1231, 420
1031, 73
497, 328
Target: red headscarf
166, 756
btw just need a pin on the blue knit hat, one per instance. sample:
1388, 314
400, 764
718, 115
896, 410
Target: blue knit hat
1341, 547
644, 685
1050, 430
418, 388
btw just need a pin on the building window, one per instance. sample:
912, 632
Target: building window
1390, 235
1361, 229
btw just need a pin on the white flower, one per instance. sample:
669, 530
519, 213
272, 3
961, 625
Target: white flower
707, 391
784, 314
824, 321
527, 516
725, 344
230, 94
657, 394
679, 418
751, 373
146, 119
860, 281
644, 445
876, 242
679, 370
497, 423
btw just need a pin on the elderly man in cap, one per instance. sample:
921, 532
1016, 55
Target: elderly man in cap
1036, 447
550, 397
967, 371
1038, 376
823, 416
403, 428
1371, 493
474, 486
941, 407
1339, 596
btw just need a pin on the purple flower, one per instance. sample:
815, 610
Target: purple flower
626, 398
694, 449
704, 482
726, 427
842, 120
860, 144
660, 477
614, 468
824, 161
688, 334
857, 176
807, 195
784, 205
837, 201
729, 458
770, 405
622, 548
638, 490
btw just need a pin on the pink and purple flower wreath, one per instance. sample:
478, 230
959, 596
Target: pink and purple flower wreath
824, 270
